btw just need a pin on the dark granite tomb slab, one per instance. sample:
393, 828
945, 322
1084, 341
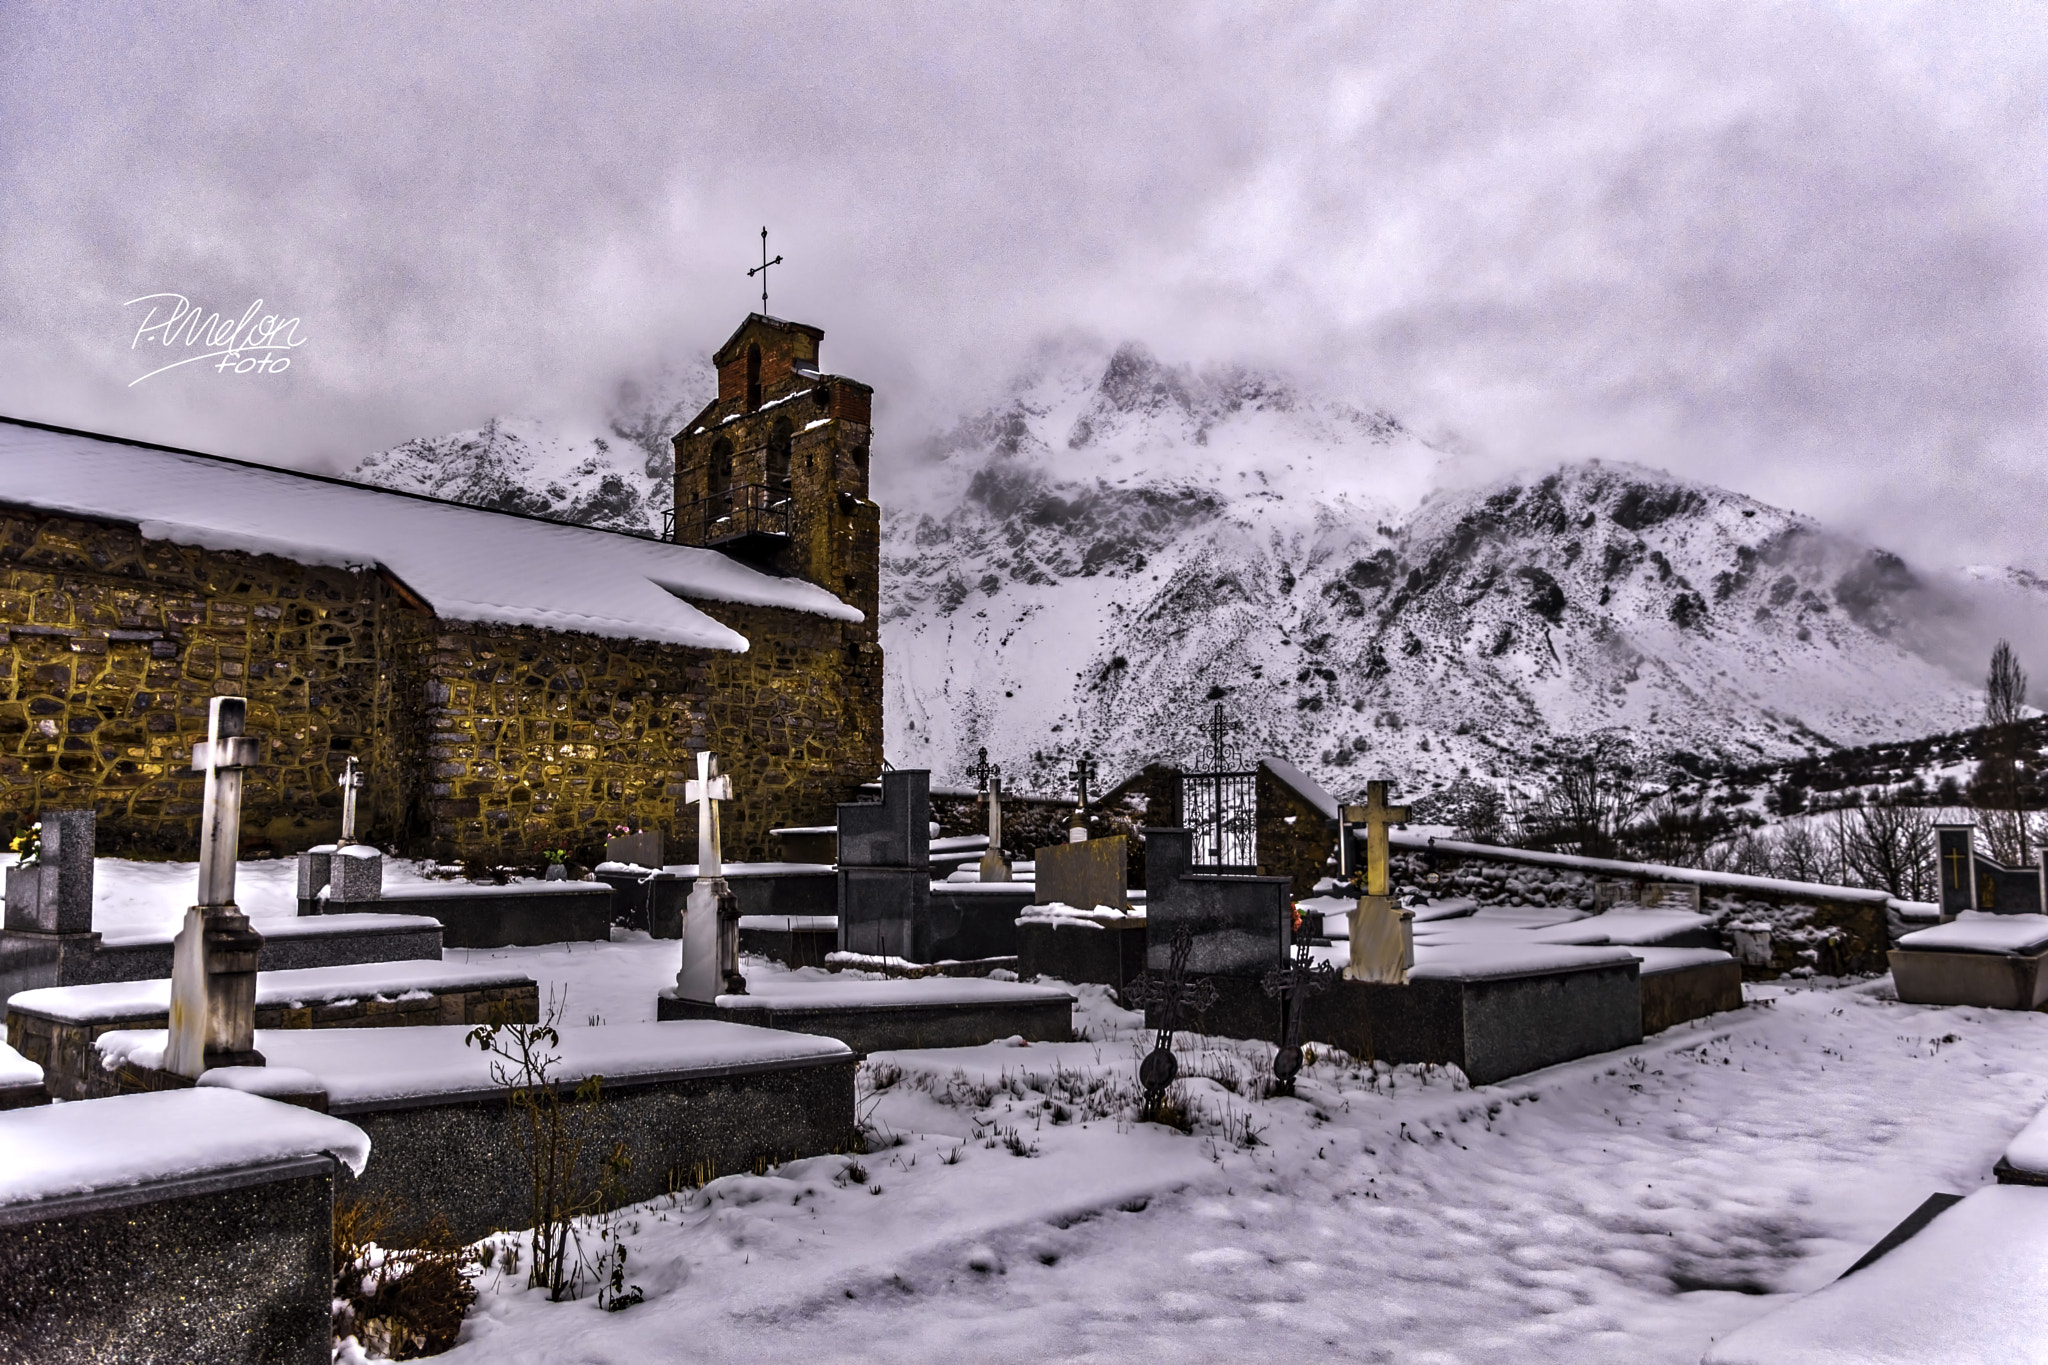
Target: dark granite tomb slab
1242, 926
1491, 1028
226, 1262
1110, 954
885, 1016
688, 1105
519, 915
654, 900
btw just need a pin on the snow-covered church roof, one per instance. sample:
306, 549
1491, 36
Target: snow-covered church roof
469, 564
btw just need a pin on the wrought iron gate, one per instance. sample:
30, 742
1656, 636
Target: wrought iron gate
1221, 810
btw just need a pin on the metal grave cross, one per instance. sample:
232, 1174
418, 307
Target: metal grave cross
1292, 984
762, 270
222, 755
1172, 992
1084, 773
350, 782
1378, 818
707, 789
983, 770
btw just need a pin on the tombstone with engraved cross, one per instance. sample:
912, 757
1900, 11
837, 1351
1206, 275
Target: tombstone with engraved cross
711, 915
1382, 933
213, 963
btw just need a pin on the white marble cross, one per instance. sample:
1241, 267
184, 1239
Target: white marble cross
221, 756
707, 789
350, 782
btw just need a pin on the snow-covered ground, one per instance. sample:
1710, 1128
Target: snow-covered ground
1629, 1207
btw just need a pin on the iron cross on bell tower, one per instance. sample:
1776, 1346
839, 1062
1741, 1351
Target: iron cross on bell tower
762, 270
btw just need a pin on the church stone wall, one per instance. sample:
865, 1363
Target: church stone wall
541, 739
482, 743
114, 644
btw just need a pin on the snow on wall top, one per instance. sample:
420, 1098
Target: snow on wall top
469, 564
1615, 867
64, 1149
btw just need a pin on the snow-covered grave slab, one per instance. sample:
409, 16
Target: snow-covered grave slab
482, 915
652, 898
1970, 1286
189, 1225
871, 1015
21, 1080
142, 954
56, 1026
2025, 1161
689, 1099
1099, 944
1976, 959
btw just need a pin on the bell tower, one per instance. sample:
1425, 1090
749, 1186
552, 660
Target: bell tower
774, 471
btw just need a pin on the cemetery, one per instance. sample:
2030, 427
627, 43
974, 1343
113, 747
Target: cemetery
1045, 1005
1168, 1063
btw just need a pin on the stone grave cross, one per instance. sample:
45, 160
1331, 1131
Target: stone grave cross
1084, 773
706, 790
711, 914
1170, 992
990, 775
213, 968
350, 782
1382, 935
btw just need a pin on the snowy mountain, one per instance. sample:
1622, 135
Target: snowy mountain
1119, 544
1118, 547
618, 477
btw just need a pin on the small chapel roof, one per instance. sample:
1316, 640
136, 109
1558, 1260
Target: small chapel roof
468, 563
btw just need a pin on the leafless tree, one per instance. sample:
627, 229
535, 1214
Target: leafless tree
1593, 798
1801, 854
1890, 846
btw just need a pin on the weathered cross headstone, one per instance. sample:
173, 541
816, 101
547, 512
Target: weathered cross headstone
1382, 934
347, 871
1169, 992
350, 782
1084, 773
711, 915
1292, 985
213, 968
993, 868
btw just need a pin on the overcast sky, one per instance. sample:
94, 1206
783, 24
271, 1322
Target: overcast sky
1796, 249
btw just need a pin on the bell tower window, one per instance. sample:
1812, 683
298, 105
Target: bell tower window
779, 440
753, 376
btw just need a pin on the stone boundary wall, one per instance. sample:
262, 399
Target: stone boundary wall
1830, 931
483, 743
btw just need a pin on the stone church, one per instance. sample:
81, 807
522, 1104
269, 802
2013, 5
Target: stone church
511, 685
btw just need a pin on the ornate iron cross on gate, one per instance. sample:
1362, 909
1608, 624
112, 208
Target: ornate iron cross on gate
1292, 984
1172, 992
